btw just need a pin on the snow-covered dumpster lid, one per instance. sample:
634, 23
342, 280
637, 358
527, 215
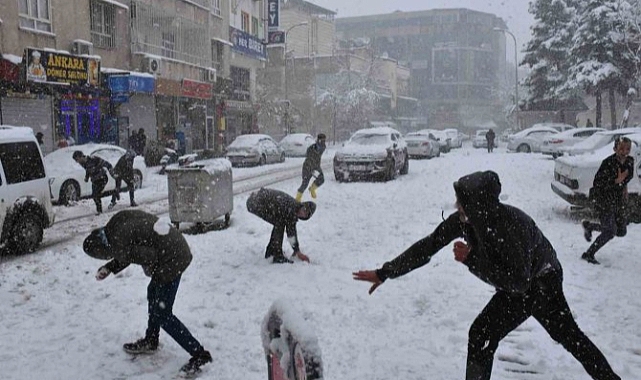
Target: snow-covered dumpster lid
212, 166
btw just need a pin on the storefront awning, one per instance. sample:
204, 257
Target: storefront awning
10, 68
222, 41
114, 2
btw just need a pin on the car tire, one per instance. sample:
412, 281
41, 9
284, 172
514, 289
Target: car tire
523, 148
137, 179
26, 233
69, 192
406, 166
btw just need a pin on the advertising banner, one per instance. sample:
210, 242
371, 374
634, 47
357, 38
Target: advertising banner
59, 68
273, 14
247, 44
194, 89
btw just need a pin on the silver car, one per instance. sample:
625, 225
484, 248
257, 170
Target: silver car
296, 144
422, 145
254, 149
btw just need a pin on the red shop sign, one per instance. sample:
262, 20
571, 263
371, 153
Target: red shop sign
194, 89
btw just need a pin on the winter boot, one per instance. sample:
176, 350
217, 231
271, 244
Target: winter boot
312, 190
587, 231
133, 203
145, 345
299, 196
111, 205
590, 258
192, 368
281, 259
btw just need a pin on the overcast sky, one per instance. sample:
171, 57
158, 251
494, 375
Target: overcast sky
514, 12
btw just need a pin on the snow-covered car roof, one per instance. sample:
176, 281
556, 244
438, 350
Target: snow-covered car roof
594, 158
246, 140
571, 132
15, 132
534, 128
296, 137
60, 159
593, 142
564, 126
377, 131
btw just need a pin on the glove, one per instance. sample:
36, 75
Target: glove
301, 256
102, 273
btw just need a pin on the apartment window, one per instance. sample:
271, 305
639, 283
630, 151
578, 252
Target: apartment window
168, 45
244, 17
255, 26
217, 54
34, 14
240, 83
103, 25
215, 8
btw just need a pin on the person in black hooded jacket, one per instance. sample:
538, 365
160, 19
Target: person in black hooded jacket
124, 171
503, 247
95, 168
283, 212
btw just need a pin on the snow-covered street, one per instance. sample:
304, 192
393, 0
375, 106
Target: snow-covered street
58, 322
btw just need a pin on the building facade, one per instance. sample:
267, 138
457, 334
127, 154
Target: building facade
456, 58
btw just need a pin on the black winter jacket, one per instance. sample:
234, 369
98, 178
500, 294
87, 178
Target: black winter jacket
508, 250
313, 157
605, 192
96, 169
125, 166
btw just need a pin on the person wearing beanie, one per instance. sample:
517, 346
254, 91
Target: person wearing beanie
503, 246
95, 168
312, 168
283, 212
137, 237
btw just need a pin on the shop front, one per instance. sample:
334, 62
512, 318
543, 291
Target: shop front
195, 123
133, 105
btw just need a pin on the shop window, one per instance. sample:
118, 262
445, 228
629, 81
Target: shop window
240, 83
21, 162
35, 14
103, 24
244, 17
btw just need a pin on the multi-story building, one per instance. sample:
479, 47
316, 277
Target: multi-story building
456, 58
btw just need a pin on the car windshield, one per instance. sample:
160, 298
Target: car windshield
481, 133
244, 141
595, 141
369, 139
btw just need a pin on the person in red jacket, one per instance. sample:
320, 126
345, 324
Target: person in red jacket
503, 247
137, 237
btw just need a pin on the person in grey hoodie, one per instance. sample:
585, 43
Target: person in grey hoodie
502, 246
137, 237
283, 212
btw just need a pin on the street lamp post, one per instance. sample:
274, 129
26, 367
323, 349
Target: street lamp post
516, 72
287, 123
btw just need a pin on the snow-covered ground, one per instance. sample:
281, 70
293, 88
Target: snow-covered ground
58, 322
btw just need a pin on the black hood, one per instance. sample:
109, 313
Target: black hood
478, 194
311, 207
94, 245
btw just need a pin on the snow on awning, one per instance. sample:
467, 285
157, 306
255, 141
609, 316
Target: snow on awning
114, 2
111, 70
222, 41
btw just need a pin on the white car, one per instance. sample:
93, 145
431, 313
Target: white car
455, 138
529, 140
67, 178
254, 149
445, 142
561, 127
372, 152
574, 175
25, 210
296, 144
479, 140
420, 144
598, 140
554, 144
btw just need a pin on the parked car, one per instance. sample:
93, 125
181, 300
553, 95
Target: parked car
296, 144
552, 145
530, 139
422, 145
372, 152
598, 140
25, 210
574, 176
254, 149
479, 140
560, 127
505, 134
67, 178
445, 142
455, 137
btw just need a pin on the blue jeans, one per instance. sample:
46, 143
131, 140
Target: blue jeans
161, 302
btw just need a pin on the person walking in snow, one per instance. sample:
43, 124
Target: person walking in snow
283, 212
312, 167
609, 194
490, 136
124, 171
137, 237
504, 247
95, 168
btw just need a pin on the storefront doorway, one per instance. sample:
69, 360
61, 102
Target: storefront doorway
80, 119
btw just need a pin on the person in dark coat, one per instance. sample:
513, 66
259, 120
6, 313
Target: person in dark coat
142, 142
283, 212
609, 194
124, 171
95, 168
490, 136
588, 124
312, 167
137, 237
503, 247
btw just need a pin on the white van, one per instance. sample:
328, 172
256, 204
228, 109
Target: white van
25, 197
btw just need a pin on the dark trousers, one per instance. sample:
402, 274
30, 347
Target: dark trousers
275, 245
612, 222
97, 186
130, 186
546, 302
490, 146
160, 298
307, 176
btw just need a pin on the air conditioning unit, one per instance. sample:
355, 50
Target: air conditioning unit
151, 65
211, 75
79, 47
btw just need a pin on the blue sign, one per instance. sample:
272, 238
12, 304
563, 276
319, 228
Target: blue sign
122, 86
273, 14
247, 44
138, 83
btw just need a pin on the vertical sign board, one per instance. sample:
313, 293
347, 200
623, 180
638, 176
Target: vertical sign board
273, 14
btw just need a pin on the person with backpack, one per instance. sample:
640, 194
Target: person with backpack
95, 168
124, 171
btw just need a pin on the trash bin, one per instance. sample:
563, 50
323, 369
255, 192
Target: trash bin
200, 193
